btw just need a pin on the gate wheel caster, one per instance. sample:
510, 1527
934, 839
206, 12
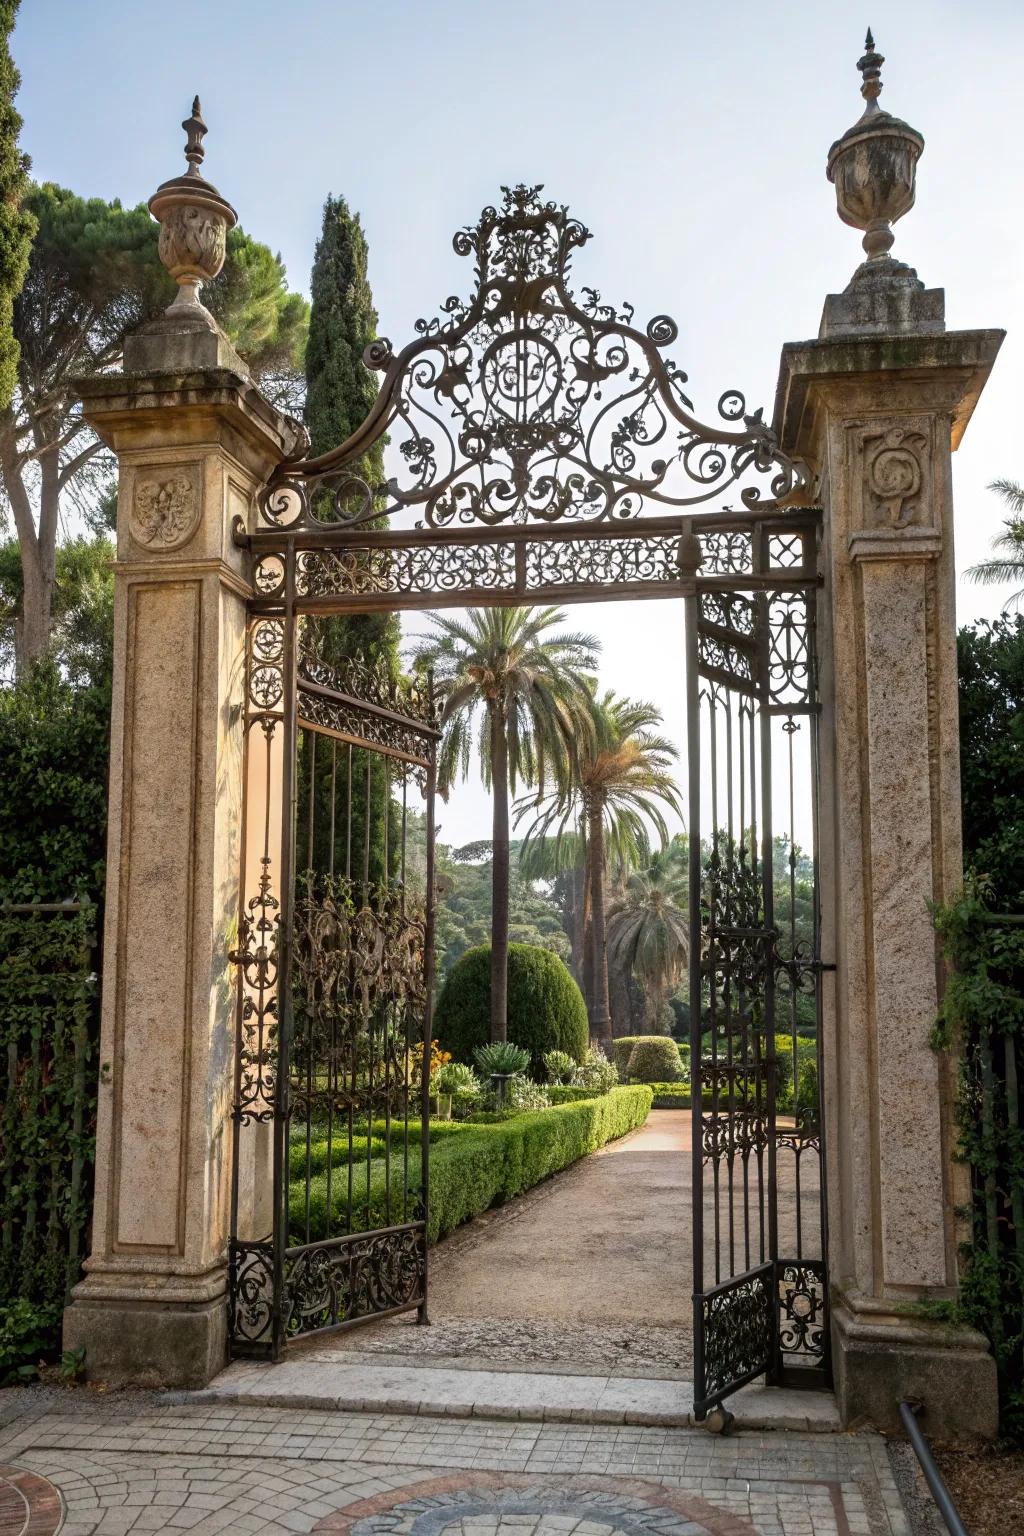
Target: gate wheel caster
719, 1421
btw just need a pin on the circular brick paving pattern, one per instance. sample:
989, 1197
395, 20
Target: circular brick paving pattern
474, 1504
29, 1504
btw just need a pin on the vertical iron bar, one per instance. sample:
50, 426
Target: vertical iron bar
334, 805
348, 823
696, 1076
814, 724
762, 612
428, 1012
282, 1086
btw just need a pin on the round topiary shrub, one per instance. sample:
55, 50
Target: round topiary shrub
622, 1051
655, 1060
546, 1011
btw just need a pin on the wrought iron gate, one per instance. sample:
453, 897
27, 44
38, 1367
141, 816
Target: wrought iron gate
549, 452
334, 996
759, 1222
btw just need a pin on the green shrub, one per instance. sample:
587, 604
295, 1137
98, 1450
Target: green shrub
27, 1334
480, 1165
655, 1060
546, 1011
572, 1093
622, 1050
807, 1073
595, 1072
559, 1066
670, 1095
457, 1079
523, 1094
339, 1151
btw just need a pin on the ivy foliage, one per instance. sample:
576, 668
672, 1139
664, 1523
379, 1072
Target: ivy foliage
54, 749
983, 1007
48, 994
982, 935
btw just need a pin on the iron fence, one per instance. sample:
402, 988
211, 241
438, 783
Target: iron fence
49, 993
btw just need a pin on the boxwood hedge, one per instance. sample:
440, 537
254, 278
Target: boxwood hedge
478, 1166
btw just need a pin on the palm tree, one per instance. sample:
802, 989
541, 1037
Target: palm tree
532, 686
621, 780
648, 931
1008, 565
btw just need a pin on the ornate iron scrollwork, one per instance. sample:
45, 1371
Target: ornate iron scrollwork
522, 404
802, 1311
357, 1277
738, 1331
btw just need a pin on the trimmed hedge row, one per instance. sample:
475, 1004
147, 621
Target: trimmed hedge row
571, 1093
479, 1166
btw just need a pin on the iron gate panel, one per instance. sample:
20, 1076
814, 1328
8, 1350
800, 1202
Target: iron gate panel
543, 442
335, 977
760, 1295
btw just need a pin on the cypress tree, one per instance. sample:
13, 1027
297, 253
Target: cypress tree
339, 393
17, 226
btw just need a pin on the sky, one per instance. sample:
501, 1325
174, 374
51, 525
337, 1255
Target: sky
690, 137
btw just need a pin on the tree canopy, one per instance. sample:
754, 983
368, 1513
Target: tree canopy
17, 224
94, 275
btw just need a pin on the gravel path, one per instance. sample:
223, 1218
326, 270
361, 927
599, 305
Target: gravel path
591, 1268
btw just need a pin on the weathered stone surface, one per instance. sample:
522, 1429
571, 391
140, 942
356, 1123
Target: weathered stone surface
877, 417
191, 450
884, 304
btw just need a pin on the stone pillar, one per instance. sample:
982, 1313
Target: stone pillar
877, 418
194, 441
876, 406
192, 449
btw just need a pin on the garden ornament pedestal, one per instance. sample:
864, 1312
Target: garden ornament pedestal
193, 444
876, 411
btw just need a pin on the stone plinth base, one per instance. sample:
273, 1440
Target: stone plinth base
148, 1343
882, 1359
884, 299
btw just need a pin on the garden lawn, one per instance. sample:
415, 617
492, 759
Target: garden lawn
472, 1166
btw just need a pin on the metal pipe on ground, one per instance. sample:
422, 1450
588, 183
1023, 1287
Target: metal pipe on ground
932, 1476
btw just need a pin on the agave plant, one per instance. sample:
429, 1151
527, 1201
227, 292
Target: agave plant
500, 1058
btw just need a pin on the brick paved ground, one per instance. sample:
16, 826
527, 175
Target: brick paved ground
111, 1468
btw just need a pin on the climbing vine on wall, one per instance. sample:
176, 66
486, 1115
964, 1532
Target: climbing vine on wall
983, 1008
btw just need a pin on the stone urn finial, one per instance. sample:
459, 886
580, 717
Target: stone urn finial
873, 167
194, 221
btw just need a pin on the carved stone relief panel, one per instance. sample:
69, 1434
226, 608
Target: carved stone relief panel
166, 506
891, 474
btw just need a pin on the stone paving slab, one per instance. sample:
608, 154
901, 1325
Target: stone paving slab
306, 1381
217, 1467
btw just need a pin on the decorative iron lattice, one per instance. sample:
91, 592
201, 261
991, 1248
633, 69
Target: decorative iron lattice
738, 1331
354, 1278
521, 404
334, 989
762, 1295
803, 1312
